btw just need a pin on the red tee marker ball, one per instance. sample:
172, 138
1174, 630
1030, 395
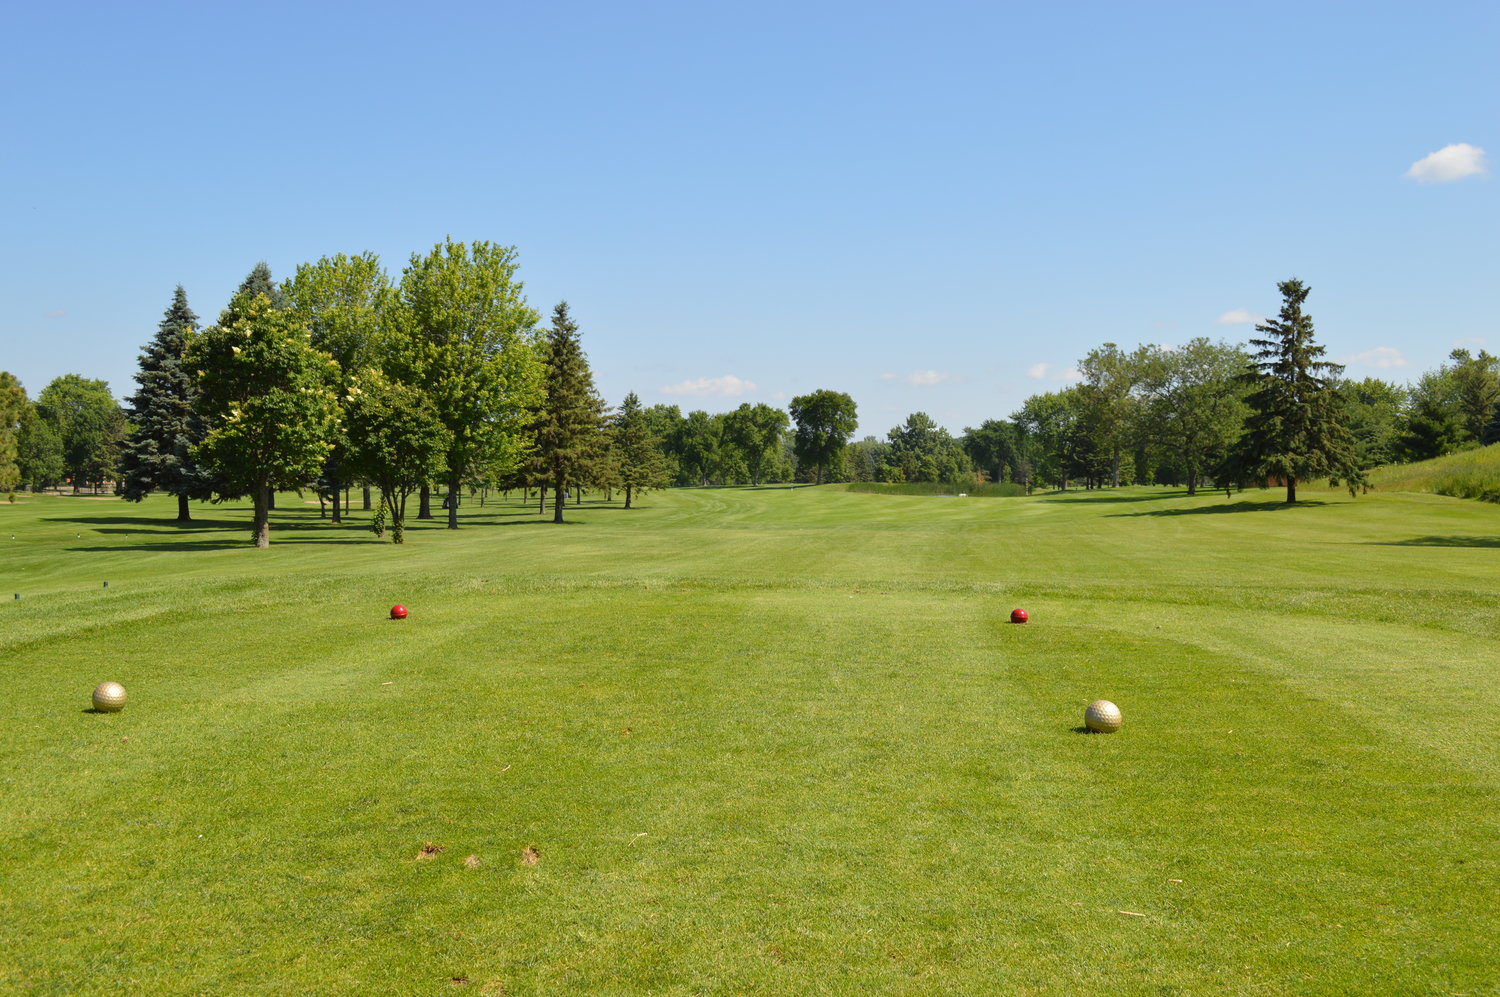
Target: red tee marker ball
1018, 616
398, 612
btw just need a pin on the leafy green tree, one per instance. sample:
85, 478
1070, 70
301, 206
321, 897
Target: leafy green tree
1295, 429
1051, 437
825, 421
263, 393
993, 447
667, 424
83, 413
569, 421
756, 430
1108, 404
638, 454
39, 451
698, 446
1194, 405
1373, 410
13, 403
468, 342
157, 453
341, 299
396, 442
1432, 424
926, 451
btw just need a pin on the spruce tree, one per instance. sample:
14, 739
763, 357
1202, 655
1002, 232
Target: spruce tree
1294, 429
258, 281
568, 423
637, 451
156, 454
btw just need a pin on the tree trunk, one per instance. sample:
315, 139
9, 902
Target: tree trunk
1291, 489
541, 499
559, 498
424, 503
1192, 477
820, 474
627, 496
1114, 471
262, 531
367, 497
454, 488
270, 497
337, 519
182, 510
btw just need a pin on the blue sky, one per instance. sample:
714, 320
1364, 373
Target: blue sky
936, 206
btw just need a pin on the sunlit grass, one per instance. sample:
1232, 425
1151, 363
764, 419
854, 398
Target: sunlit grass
775, 741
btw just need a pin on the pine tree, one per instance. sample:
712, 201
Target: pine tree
637, 451
156, 454
568, 423
1294, 429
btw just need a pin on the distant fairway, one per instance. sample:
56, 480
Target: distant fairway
775, 741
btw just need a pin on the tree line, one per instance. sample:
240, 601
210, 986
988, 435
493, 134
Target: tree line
443, 382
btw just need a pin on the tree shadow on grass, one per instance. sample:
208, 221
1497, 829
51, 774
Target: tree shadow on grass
1232, 507
1096, 496
1453, 541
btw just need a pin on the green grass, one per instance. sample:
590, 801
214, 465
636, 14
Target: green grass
763, 741
1004, 489
1471, 474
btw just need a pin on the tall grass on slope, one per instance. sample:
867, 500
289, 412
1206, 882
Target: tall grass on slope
1472, 474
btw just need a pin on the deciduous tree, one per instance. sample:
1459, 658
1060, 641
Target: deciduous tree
468, 341
396, 442
83, 413
13, 403
263, 393
340, 298
825, 421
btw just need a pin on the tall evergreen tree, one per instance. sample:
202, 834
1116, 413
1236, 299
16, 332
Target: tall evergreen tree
1294, 429
157, 452
258, 281
638, 453
567, 426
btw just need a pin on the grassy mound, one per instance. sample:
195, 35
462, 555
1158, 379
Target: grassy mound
1472, 474
739, 741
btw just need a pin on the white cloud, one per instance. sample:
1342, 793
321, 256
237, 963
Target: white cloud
1070, 375
1239, 316
926, 377
887, 377
778, 396
55, 313
1451, 162
1467, 341
727, 386
1381, 357
1037, 371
